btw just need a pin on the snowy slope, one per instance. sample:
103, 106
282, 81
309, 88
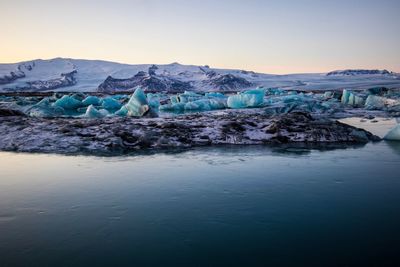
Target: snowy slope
62, 74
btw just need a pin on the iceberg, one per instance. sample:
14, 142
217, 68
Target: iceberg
109, 103
154, 100
91, 100
375, 102
190, 101
275, 91
215, 95
350, 98
173, 107
188, 96
93, 113
247, 99
68, 102
198, 105
123, 112
393, 134
138, 104
44, 109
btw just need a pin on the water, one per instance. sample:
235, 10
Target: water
243, 206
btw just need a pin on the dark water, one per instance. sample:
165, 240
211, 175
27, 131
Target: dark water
240, 206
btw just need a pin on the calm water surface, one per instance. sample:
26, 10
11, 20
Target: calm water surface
243, 206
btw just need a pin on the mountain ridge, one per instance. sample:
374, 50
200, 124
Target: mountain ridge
110, 77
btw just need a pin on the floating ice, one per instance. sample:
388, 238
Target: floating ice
138, 104
394, 134
110, 103
350, 98
123, 112
93, 113
44, 109
91, 100
173, 107
188, 96
215, 95
154, 100
68, 102
190, 101
379, 102
247, 99
275, 91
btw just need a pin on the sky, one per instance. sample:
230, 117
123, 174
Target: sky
285, 36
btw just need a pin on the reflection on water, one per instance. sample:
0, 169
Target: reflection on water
228, 206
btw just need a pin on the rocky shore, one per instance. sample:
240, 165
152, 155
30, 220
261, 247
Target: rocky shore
116, 135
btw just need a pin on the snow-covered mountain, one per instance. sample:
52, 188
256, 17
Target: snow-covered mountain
61, 74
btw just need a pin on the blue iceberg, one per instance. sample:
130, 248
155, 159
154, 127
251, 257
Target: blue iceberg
93, 113
110, 103
138, 104
173, 107
352, 99
154, 100
44, 109
248, 99
91, 100
68, 102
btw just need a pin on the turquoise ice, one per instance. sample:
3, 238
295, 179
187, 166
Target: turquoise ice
110, 103
247, 99
93, 113
91, 100
44, 109
352, 99
138, 104
68, 102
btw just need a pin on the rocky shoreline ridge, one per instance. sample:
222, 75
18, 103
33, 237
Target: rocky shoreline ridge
122, 135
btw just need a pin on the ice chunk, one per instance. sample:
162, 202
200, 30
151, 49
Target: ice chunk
123, 112
44, 109
275, 91
379, 102
173, 107
68, 102
247, 99
138, 104
110, 103
188, 96
215, 95
218, 103
92, 112
91, 100
154, 100
393, 134
198, 105
350, 98
79, 96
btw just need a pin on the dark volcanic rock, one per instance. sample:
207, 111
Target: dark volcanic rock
147, 81
227, 82
116, 135
359, 72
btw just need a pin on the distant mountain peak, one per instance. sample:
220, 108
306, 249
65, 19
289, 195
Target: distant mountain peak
355, 72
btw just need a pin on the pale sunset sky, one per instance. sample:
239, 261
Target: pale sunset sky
285, 36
